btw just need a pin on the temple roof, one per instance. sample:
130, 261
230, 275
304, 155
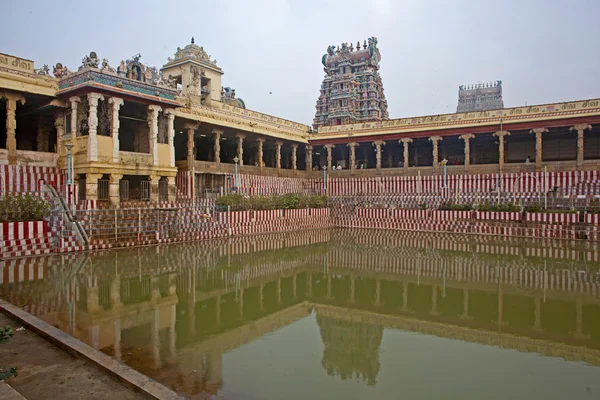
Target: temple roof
192, 52
346, 53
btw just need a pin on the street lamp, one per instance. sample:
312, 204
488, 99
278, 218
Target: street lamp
236, 160
325, 179
69, 146
444, 163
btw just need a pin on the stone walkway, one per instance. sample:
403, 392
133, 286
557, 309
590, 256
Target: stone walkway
47, 372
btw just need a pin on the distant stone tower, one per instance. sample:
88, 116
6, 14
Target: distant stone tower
480, 97
351, 91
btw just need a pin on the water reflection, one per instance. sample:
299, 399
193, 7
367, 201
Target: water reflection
189, 315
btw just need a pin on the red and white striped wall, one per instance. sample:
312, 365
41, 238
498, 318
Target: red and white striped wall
23, 230
553, 218
29, 179
498, 215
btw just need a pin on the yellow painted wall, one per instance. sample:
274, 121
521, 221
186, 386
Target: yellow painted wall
105, 150
163, 154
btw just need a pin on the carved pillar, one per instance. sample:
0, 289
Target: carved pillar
116, 104
467, 138
91, 186
501, 135
11, 125
154, 188
59, 125
171, 189
329, 148
217, 148
153, 134
92, 154
435, 141
240, 147
405, 142
538, 146
378, 145
308, 157
171, 135
191, 128
279, 143
294, 149
259, 152
580, 128
352, 146
113, 189
74, 106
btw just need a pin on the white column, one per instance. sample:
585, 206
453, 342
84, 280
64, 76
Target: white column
378, 144
171, 135
240, 147
580, 128
92, 154
467, 138
435, 141
116, 105
153, 134
501, 135
352, 146
279, 143
294, 149
308, 157
74, 105
538, 146
329, 148
405, 142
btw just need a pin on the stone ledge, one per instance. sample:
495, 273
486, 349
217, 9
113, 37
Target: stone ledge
8, 393
121, 372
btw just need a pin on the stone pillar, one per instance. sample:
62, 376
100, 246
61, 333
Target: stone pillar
259, 152
279, 143
308, 156
352, 146
580, 128
171, 189
435, 141
92, 154
329, 148
294, 148
113, 189
467, 138
153, 133
501, 135
171, 135
91, 186
378, 144
74, 106
154, 188
538, 146
11, 125
217, 145
405, 142
59, 125
240, 147
116, 104
191, 128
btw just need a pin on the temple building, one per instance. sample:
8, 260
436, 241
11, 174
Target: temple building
480, 97
352, 90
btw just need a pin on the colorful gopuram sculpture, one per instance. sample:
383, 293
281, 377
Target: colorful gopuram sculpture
480, 97
352, 90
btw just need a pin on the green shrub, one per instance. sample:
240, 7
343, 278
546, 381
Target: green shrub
6, 333
290, 201
594, 207
455, 207
17, 208
508, 207
534, 208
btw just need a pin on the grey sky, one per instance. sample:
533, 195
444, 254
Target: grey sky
544, 51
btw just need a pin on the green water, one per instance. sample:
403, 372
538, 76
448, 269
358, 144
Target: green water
340, 314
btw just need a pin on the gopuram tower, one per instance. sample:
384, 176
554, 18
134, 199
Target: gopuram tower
351, 91
480, 97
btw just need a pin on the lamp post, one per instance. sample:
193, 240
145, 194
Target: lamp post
444, 163
236, 160
69, 146
325, 179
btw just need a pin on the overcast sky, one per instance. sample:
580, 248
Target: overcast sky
543, 50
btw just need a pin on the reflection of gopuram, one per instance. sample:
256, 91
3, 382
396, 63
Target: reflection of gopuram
351, 349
